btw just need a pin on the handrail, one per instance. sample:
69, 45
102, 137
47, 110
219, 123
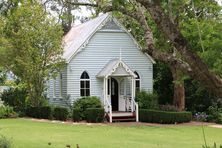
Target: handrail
136, 109
110, 109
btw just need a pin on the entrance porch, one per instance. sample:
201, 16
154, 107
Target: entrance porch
119, 91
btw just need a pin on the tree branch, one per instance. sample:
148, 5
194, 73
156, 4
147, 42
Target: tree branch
172, 32
151, 50
81, 4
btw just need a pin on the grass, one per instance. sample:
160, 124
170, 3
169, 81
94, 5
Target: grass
32, 134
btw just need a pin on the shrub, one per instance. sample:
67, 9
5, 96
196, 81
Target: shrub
147, 100
94, 114
7, 112
15, 97
168, 107
164, 117
86, 102
4, 142
61, 113
215, 114
43, 112
76, 114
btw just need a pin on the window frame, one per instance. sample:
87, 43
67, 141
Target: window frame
84, 80
138, 78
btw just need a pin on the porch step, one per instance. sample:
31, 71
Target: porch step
122, 116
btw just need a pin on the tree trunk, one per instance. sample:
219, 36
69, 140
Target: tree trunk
200, 70
179, 90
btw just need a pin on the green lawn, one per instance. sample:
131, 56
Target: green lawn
31, 134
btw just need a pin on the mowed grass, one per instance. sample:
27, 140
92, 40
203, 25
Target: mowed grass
26, 133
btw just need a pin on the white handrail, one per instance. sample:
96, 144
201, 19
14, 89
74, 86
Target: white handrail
110, 109
136, 109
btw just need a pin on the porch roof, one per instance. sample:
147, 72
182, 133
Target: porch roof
116, 67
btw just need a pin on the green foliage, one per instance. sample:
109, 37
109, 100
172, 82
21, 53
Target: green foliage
163, 83
168, 107
195, 94
43, 112
76, 114
208, 18
86, 102
95, 114
164, 117
7, 112
61, 113
4, 142
3, 76
30, 46
15, 97
215, 114
147, 100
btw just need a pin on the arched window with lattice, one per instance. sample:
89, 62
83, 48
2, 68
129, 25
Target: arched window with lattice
137, 80
84, 84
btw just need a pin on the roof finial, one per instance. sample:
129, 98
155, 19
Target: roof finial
120, 54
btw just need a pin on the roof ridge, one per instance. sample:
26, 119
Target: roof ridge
89, 28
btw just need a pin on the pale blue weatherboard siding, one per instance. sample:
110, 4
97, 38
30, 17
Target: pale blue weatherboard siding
103, 47
55, 98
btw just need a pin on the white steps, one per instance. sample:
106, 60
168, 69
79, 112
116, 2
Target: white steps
123, 116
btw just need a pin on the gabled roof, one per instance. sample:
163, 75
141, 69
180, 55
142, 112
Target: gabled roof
79, 35
116, 67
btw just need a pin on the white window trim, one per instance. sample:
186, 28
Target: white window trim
85, 80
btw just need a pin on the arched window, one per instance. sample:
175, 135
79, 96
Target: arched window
84, 84
137, 81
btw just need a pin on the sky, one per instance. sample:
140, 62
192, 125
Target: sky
86, 13
219, 2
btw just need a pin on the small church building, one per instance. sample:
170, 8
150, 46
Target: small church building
104, 60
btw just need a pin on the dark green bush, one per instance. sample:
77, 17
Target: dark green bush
86, 102
76, 114
168, 107
4, 142
147, 100
7, 112
43, 112
95, 114
32, 112
215, 114
165, 117
61, 113
15, 97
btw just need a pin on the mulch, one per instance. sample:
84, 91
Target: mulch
192, 123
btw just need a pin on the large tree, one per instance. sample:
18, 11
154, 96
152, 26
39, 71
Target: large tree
182, 55
31, 46
185, 58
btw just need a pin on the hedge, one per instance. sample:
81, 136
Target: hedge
165, 117
61, 113
86, 102
95, 114
76, 115
43, 112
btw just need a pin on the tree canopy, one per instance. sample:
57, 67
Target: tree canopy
31, 46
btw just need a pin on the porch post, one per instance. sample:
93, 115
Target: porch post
106, 99
132, 93
104, 91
